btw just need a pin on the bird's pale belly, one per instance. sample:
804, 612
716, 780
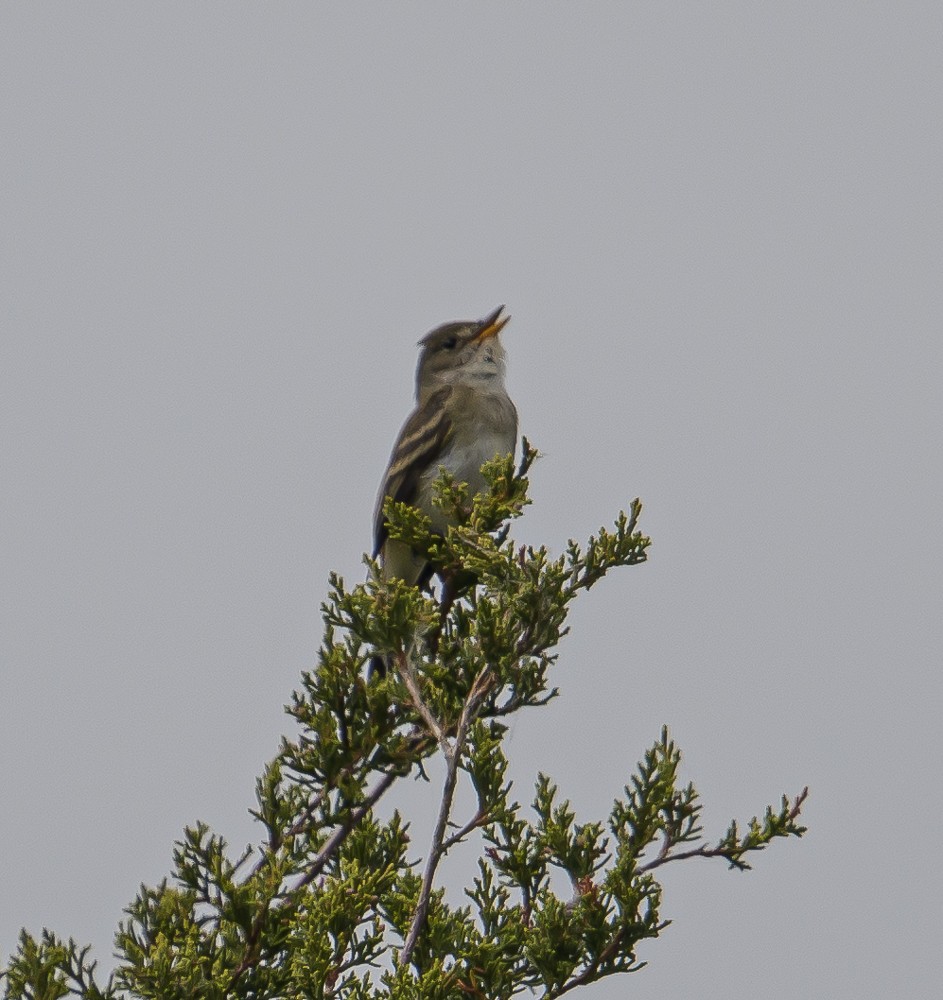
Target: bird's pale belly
464, 461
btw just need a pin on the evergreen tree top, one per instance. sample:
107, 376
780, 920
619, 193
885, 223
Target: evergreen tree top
332, 902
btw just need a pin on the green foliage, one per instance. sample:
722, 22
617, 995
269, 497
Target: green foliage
331, 902
51, 968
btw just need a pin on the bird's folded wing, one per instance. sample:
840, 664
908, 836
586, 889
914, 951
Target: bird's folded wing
421, 441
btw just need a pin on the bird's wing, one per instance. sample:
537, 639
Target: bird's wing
419, 444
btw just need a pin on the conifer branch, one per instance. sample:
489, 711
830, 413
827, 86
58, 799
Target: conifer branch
337, 838
733, 848
327, 853
318, 908
437, 848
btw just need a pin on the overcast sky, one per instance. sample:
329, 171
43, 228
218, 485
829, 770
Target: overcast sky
718, 229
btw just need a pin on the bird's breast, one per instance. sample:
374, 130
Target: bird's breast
465, 458
488, 427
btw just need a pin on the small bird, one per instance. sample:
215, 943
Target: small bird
463, 418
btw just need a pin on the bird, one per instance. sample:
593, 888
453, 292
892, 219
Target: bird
463, 418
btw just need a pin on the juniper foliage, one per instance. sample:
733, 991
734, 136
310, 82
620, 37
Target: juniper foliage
331, 901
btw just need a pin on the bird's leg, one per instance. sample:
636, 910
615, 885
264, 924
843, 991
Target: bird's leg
449, 593
447, 599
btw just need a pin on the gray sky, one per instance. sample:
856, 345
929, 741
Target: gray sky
718, 229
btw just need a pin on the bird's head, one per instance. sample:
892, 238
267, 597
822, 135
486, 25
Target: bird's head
469, 353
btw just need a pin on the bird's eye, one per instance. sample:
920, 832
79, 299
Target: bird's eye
449, 343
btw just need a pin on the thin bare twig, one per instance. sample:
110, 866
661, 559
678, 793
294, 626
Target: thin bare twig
515, 703
695, 852
453, 756
479, 819
408, 673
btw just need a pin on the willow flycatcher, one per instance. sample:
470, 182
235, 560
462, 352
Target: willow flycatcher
463, 418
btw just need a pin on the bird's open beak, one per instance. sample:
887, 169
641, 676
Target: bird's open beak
491, 325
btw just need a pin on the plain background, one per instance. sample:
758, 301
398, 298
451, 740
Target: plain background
718, 229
